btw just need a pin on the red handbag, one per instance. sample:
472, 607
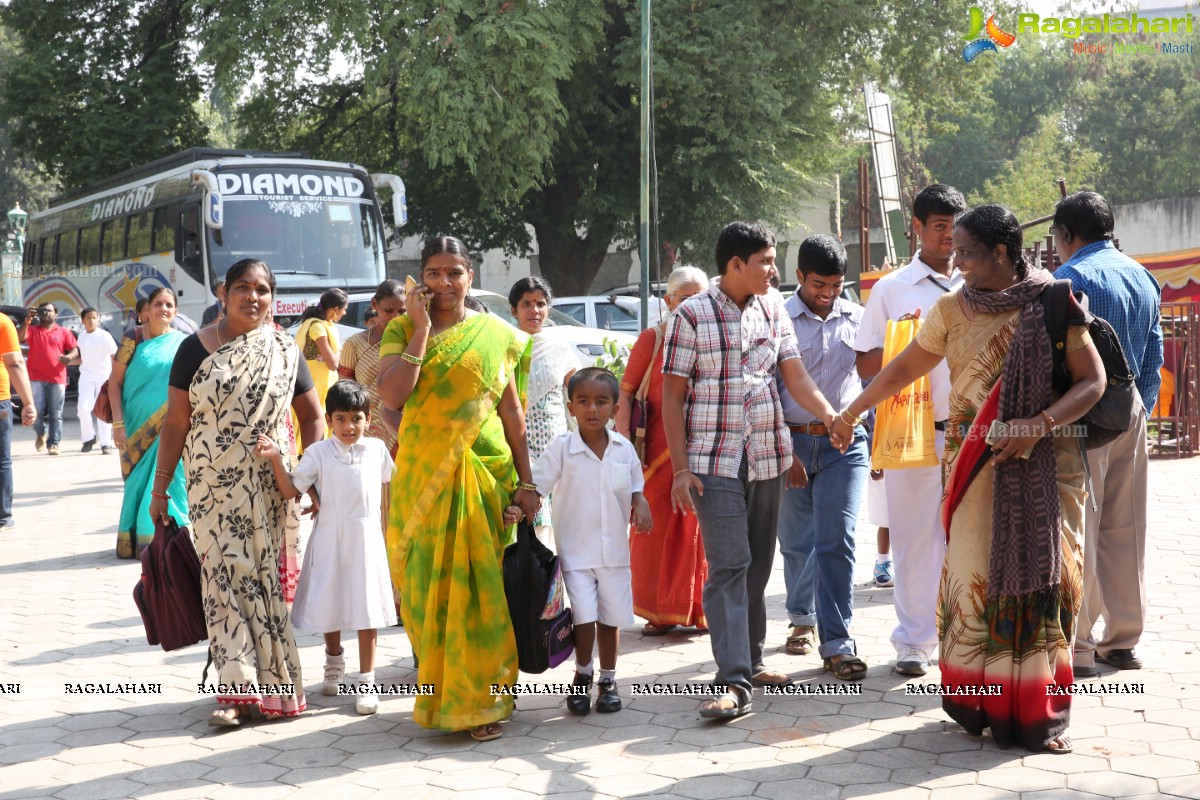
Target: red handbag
168, 595
639, 414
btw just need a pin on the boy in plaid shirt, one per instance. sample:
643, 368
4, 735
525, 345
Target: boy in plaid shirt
731, 448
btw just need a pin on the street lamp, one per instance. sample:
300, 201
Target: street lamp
17, 218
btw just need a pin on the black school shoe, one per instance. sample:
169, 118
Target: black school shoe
580, 704
609, 700
88, 445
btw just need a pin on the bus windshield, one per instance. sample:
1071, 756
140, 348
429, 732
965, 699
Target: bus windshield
316, 228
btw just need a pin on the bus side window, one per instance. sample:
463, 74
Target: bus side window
112, 240
44, 265
164, 230
188, 254
62, 244
89, 245
140, 235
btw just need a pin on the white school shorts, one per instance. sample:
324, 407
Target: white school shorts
603, 594
877, 502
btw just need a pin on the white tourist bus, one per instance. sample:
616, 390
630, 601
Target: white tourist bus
182, 221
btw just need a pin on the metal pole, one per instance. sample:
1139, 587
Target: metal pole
864, 218
644, 224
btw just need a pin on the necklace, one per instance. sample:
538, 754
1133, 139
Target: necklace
220, 341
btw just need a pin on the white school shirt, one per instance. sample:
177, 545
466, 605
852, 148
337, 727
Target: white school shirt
345, 494
915, 285
592, 498
95, 353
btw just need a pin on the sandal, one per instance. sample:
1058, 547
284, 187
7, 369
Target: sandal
225, 718
848, 668
1060, 745
800, 643
769, 677
486, 733
650, 629
729, 705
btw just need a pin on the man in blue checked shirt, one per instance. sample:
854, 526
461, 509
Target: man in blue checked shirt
825, 487
1123, 292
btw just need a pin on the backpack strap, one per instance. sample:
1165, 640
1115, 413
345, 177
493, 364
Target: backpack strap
1056, 300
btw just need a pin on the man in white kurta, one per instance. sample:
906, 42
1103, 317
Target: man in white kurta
914, 495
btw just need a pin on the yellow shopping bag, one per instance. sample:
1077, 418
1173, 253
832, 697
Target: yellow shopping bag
904, 433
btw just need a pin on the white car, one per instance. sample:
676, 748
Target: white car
610, 312
588, 343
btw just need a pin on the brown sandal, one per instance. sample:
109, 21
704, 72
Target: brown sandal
486, 733
767, 677
800, 643
1060, 745
849, 668
650, 629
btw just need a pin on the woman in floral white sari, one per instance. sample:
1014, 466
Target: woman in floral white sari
229, 383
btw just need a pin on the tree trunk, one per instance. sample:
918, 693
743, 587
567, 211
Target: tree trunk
567, 260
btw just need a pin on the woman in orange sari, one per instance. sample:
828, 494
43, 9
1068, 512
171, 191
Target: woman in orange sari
1013, 508
668, 565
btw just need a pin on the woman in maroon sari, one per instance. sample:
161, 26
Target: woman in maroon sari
668, 564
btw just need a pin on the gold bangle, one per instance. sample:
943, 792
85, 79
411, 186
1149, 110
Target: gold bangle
679, 472
118, 424
1049, 421
410, 358
531, 487
852, 421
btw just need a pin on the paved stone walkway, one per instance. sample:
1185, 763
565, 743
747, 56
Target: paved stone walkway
69, 619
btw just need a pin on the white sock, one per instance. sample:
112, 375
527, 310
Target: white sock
367, 678
608, 674
584, 669
883, 558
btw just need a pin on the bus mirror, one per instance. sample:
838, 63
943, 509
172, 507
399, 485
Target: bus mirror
213, 208
399, 198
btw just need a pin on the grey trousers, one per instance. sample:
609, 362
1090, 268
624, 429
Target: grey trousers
1114, 546
738, 521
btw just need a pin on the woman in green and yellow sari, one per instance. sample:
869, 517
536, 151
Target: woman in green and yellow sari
137, 390
461, 460
1013, 503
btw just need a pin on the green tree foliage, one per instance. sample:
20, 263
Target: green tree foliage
1027, 183
503, 114
21, 180
1122, 124
98, 86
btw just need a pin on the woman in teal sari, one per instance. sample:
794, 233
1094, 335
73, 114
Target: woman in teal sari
137, 390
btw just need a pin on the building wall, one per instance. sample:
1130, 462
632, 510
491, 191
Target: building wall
1158, 226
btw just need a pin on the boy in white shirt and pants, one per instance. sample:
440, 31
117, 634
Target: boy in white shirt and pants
596, 479
96, 349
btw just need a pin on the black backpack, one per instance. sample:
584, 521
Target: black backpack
531, 576
1116, 410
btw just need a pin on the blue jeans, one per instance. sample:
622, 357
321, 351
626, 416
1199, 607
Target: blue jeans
738, 518
816, 537
48, 400
6, 483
